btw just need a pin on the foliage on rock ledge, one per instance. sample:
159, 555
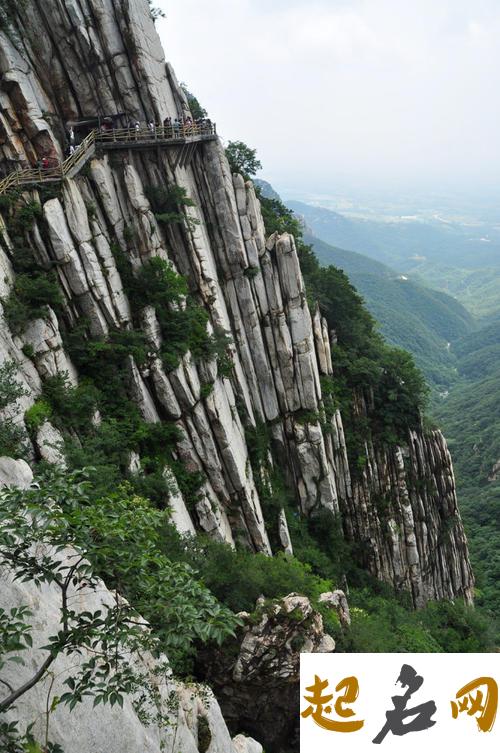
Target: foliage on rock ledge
382, 621
35, 286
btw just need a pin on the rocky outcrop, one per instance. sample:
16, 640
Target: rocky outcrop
257, 683
495, 471
337, 600
15, 474
404, 512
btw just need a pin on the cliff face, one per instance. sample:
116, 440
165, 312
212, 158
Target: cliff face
64, 61
67, 61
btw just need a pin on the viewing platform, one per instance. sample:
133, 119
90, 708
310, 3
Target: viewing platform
182, 137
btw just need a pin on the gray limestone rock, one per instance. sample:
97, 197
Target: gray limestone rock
50, 444
337, 600
15, 473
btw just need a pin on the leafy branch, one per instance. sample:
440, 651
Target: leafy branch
55, 534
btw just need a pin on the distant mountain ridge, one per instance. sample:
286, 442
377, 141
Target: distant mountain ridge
461, 260
405, 245
351, 262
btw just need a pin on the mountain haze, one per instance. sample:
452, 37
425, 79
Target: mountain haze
460, 259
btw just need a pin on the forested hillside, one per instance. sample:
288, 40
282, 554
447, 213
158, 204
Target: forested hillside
470, 417
410, 315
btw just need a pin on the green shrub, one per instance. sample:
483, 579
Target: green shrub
183, 322
206, 390
12, 439
29, 351
382, 622
72, 407
106, 447
105, 364
251, 272
27, 214
273, 492
31, 295
197, 111
36, 415
34, 287
221, 568
168, 204
242, 159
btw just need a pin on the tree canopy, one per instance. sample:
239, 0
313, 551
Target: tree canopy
242, 159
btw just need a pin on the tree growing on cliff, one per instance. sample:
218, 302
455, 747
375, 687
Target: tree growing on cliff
54, 535
242, 159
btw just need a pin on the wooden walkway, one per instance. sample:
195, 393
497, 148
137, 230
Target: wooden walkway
184, 138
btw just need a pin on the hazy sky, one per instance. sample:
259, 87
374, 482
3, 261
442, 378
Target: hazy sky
339, 92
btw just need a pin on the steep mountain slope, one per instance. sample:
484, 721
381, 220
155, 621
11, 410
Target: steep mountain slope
163, 335
471, 416
350, 261
477, 289
410, 315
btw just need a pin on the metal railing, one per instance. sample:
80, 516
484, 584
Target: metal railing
130, 137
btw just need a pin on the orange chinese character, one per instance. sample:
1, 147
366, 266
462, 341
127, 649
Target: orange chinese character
487, 709
318, 700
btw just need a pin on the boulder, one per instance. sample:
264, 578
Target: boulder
15, 473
